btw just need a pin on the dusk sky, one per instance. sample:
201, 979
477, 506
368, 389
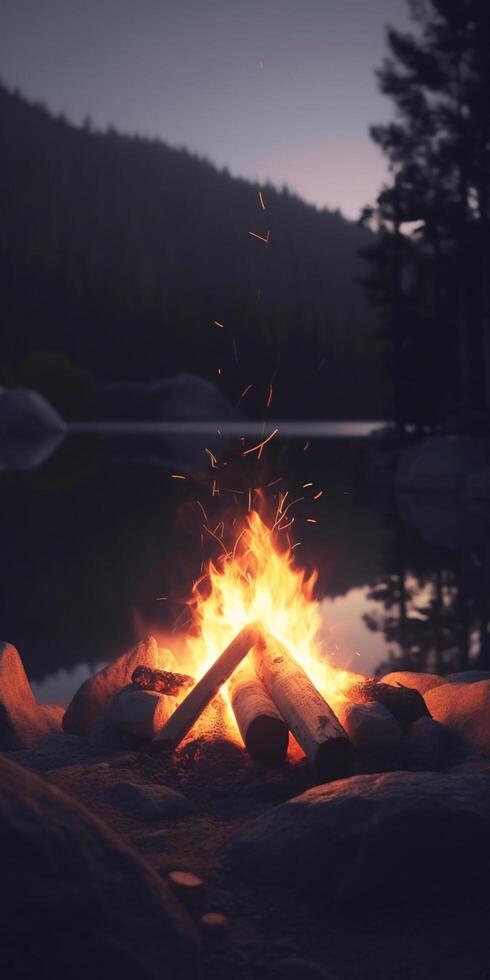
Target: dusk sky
272, 89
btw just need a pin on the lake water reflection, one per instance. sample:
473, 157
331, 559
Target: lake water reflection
96, 533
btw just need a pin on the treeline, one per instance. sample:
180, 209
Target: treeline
118, 253
430, 262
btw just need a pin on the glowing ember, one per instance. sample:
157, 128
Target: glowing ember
257, 582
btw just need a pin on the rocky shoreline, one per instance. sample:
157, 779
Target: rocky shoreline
293, 878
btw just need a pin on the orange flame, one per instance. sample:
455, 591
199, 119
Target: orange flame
258, 582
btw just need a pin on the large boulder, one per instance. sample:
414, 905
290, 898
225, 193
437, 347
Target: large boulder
465, 711
424, 745
185, 397
381, 838
21, 409
467, 677
22, 720
30, 429
370, 727
189, 397
77, 902
410, 678
441, 463
444, 519
96, 693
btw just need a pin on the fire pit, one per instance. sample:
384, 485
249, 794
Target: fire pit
254, 648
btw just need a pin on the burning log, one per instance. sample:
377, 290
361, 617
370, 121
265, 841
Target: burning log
405, 703
263, 730
188, 711
306, 712
163, 681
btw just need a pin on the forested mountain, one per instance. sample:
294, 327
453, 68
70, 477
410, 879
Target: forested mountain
118, 253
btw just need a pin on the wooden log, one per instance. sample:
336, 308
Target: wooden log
308, 715
163, 681
188, 711
263, 730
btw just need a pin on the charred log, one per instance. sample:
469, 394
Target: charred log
163, 681
405, 703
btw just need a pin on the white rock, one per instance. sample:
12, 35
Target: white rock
94, 696
370, 727
140, 713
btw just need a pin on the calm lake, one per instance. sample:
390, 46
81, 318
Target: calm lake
96, 530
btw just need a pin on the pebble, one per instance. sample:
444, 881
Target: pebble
189, 887
214, 923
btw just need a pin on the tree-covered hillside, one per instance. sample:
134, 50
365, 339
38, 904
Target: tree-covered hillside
119, 253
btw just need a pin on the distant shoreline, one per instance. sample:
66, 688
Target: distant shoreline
316, 428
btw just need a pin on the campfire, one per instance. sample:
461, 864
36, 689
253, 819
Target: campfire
255, 638
253, 672
255, 645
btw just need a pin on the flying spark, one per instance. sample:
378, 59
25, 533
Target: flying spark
261, 238
261, 445
199, 504
215, 536
245, 392
261, 201
216, 323
177, 476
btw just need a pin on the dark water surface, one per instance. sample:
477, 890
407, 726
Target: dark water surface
93, 535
